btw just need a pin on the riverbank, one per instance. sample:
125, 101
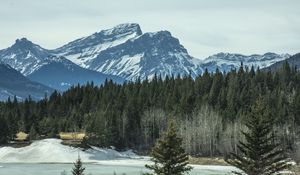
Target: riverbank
219, 161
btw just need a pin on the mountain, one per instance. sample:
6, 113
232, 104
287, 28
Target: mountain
294, 61
39, 65
227, 61
14, 83
60, 73
24, 56
128, 52
121, 53
125, 51
83, 50
145, 56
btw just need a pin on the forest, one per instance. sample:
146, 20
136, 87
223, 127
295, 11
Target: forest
209, 111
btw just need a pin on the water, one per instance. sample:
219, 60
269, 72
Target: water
95, 169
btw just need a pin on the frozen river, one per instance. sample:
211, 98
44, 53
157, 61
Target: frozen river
50, 157
95, 169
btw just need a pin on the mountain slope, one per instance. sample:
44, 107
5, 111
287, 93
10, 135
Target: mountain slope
293, 61
83, 50
14, 83
60, 73
149, 54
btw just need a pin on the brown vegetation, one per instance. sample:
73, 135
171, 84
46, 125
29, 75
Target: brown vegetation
76, 136
21, 136
207, 161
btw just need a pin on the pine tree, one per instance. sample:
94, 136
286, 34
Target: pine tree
78, 168
259, 155
4, 131
168, 155
33, 134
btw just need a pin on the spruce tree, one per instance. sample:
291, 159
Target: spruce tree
78, 169
259, 154
168, 155
33, 134
4, 131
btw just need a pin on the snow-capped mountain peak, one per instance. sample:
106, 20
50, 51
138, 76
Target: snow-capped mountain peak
122, 29
122, 51
23, 43
24, 56
227, 61
83, 50
145, 56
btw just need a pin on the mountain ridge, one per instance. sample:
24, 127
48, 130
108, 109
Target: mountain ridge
126, 52
293, 61
227, 61
36, 62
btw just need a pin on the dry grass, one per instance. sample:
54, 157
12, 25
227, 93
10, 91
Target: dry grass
72, 136
21, 136
207, 161
296, 169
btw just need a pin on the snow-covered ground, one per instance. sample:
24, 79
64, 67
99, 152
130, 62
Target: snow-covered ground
53, 151
56, 157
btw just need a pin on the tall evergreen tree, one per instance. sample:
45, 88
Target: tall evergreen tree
78, 169
4, 131
168, 155
259, 154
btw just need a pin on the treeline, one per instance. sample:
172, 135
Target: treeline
209, 110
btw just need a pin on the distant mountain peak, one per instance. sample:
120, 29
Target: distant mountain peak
144, 56
24, 40
124, 29
83, 50
23, 43
228, 61
160, 33
24, 56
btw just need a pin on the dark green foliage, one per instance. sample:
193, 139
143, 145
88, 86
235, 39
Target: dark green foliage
115, 115
33, 134
259, 154
4, 131
168, 155
78, 169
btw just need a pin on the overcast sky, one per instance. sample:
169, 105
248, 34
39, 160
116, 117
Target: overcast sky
204, 27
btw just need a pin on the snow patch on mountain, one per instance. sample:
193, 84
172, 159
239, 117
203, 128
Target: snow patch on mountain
125, 66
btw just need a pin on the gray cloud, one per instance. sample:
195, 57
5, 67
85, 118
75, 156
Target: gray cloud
203, 27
